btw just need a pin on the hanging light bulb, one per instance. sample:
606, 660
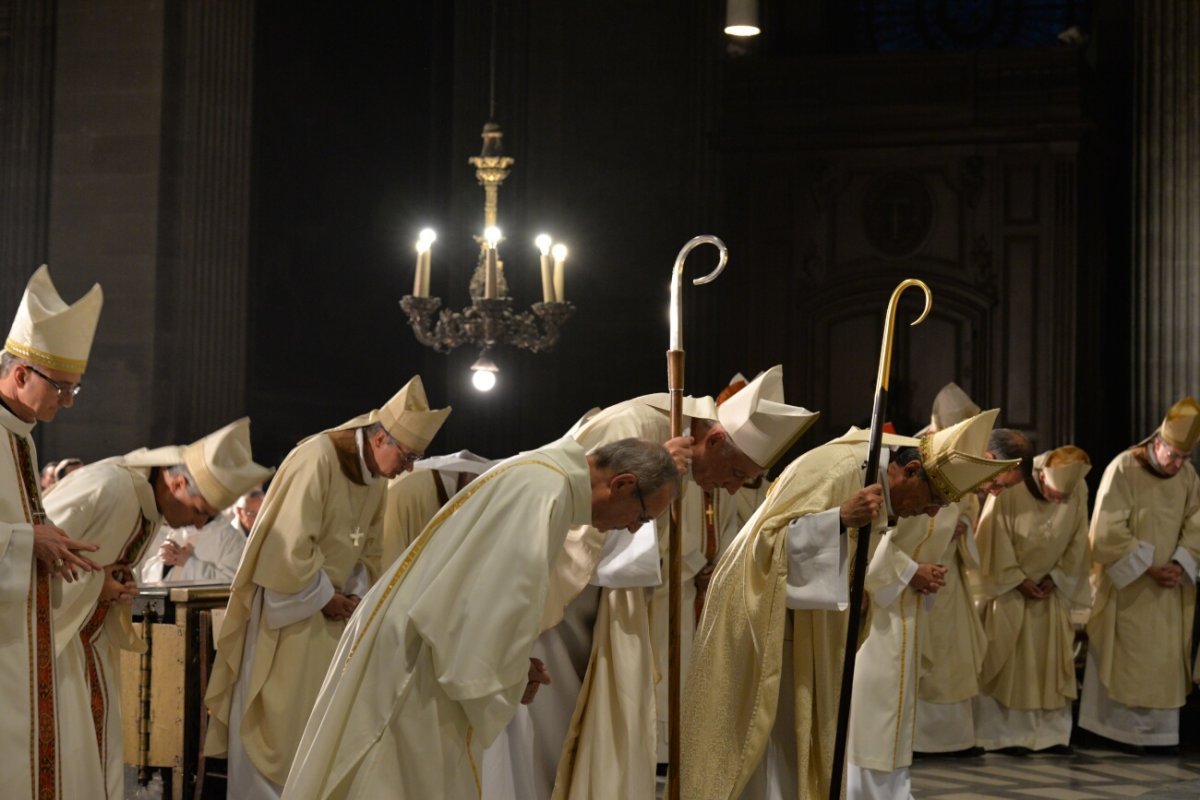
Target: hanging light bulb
483, 373
741, 18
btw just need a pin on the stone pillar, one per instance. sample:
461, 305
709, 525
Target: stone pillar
26, 78
1166, 207
204, 222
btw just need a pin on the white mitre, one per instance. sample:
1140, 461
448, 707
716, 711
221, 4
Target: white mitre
48, 332
407, 417
955, 459
760, 423
951, 406
223, 466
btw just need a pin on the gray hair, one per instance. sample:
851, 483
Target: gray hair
179, 469
376, 427
9, 362
1009, 444
648, 462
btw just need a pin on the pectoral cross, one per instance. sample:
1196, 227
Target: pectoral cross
357, 536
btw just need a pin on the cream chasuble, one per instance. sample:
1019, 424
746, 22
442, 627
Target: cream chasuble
593, 732
320, 519
434, 662
111, 505
29, 726
733, 686
1137, 627
953, 643
1030, 662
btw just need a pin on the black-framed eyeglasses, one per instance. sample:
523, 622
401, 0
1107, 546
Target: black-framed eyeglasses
645, 518
63, 390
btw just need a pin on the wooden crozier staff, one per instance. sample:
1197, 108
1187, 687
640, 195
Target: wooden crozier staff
675, 359
859, 570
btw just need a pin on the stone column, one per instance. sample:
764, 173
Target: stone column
1166, 207
26, 78
204, 229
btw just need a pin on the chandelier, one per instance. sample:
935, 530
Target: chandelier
490, 320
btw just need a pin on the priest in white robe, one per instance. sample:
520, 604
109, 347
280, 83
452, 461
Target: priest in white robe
1033, 568
209, 554
594, 732
1145, 541
766, 665
313, 553
41, 366
436, 660
118, 504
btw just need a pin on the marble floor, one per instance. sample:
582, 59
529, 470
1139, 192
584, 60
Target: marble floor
1092, 772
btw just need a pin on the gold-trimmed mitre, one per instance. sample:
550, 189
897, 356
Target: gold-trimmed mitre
407, 417
760, 423
951, 406
48, 332
1181, 427
955, 459
223, 466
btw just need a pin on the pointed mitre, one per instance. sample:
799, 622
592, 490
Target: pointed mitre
407, 417
760, 423
223, 466
956, 458
1181, 427
1067, 467
951, 406
50, 333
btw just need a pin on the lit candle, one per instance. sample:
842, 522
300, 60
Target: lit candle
422, 246
425, 256
490, 273
543, 244
560, 255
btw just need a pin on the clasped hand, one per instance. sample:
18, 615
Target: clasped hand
1168, 576
928, 578
119, 586
340, 607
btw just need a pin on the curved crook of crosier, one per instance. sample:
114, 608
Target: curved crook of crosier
889, 327
677, 280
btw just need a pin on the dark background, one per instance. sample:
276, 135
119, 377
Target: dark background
247, 180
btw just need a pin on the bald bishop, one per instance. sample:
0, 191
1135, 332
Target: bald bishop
436, 661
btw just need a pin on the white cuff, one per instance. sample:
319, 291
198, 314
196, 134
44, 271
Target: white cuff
282, 610
629, 560
887, 595
1128, 569
358, 583
1184, 559
818, 562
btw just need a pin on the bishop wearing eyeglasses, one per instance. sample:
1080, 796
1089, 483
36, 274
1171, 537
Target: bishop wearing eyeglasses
312, 554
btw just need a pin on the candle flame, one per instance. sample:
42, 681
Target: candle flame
560, 252
543, 242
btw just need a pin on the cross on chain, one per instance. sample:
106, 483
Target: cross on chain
357, 536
